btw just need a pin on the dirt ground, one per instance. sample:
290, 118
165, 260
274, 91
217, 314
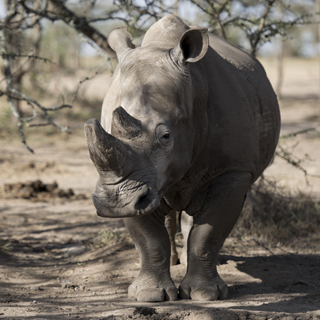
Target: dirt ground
59, 260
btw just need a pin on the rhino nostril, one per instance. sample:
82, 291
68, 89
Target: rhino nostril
143, 201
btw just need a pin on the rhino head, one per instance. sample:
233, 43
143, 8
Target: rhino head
151, 137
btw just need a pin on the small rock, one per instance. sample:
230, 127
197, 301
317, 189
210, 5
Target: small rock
70, 193
36, 288
29, 165
38, 186
43, 196
13, 187
81, 196
67, 285
77, 250
60, 193
51, 186
46, 165
26, 192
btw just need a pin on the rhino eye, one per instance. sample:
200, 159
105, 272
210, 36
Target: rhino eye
165, 139
163, 134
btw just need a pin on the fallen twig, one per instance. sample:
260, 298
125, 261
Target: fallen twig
307, 283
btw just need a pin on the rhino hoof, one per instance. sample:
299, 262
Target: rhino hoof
150, 295
153, 294
217, 291
207, 294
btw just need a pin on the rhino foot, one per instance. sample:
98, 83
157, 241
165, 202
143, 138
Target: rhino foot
152, 290
203, 290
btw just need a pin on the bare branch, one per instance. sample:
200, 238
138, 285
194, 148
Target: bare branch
61, 12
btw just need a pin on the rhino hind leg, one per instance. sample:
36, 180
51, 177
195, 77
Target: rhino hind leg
151, 238
171, 226
222, 207
186, 223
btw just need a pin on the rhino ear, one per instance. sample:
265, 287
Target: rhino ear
120, 41
193, 45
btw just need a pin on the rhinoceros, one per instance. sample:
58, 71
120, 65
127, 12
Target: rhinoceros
189, 123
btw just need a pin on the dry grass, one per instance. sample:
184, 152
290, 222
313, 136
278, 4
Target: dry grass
276, 215
4, 245
107, 238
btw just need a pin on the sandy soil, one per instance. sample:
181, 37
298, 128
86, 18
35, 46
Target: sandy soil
61, 261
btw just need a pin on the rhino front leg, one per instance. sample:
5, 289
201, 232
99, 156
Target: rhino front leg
152, 241
223, 204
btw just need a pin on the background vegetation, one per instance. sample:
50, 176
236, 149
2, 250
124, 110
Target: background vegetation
41, 38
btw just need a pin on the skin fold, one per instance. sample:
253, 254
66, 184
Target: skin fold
188, 124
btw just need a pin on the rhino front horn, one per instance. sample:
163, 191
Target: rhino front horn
106, 152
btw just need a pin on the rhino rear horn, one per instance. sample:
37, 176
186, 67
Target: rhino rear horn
106, 152
124, 125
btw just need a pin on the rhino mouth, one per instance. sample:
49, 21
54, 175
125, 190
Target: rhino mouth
142, 201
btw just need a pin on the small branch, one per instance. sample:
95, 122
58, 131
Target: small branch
23, 139
289, 157
214, 13
200, 7
285, 155
63, 106
38, 124
30, 56
20, 70
294, 134
259, 243
99, 51
308, 283
259, 32
217, 14
81, 82
43, 109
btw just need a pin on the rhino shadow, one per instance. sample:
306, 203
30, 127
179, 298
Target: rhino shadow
286, 274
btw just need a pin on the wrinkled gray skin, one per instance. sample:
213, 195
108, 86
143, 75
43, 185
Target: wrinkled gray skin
189, 127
